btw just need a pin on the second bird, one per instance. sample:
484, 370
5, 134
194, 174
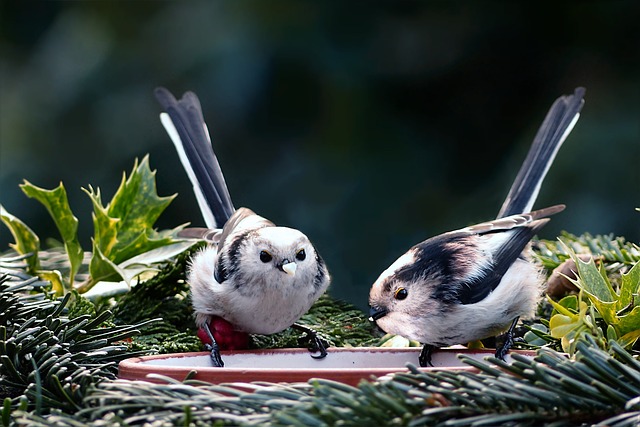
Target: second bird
475, 283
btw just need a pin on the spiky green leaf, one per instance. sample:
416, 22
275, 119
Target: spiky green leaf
136, 206
26, 241
629, 287
57, 204
123, 229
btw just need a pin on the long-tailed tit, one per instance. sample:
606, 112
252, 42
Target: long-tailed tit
255, 276
475, 282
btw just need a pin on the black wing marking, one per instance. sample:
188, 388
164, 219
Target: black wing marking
476, 289
454, 255
186, 116
556, 126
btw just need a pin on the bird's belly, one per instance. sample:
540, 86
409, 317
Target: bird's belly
271, 314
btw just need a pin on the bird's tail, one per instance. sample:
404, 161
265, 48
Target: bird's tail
555, 128
185, 125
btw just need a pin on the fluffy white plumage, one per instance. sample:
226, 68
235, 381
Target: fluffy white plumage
438, 275
255, 296
258, 277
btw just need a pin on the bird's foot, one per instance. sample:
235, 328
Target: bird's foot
213, 348
507, 341
425, 355
315, 344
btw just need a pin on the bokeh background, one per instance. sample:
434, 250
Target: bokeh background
368, 125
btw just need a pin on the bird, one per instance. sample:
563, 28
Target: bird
476, 282
253, 277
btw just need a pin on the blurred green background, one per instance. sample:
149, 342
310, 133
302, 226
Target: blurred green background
368, 125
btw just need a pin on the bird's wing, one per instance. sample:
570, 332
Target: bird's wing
496, 246
211, 235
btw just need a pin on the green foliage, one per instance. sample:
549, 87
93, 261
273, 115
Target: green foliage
616, 252
605, 313
125, 244
165, 296
58, 356
52, 350
550, 389
124, 227
26, 241
571, 320
57, 204
607, 306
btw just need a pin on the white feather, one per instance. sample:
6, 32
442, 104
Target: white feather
205, 210
536, 191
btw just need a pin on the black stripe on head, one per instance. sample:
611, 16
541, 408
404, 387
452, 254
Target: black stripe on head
440, 263
321, 273
386, 285
229, 261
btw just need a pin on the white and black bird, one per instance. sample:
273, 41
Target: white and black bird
257, 276
476, 282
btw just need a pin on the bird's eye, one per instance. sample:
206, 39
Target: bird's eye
400, 294
301, 255
265, 256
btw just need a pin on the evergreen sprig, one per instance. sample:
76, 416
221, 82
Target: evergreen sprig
48, 359
551, 389
616, 252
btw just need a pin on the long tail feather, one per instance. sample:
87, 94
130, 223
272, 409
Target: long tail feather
555, 128
185, 125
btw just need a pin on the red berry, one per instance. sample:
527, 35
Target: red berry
225, 335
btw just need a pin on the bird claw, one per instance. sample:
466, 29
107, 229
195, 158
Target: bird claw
216, 359
318, 345
213, 349
314, 342
508, 341
425, 356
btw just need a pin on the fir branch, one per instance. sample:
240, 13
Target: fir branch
550, 389
48, 358
616, 252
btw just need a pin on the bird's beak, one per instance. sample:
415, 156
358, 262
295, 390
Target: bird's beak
376, 313
289, 268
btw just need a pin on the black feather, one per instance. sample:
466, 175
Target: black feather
546, 144
320, 273
435, 261
229, 260
475, 290
186, 115
446, 261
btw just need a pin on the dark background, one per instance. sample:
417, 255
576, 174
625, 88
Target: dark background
368, 125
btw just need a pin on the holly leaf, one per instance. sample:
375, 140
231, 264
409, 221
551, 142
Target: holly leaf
123, 229
593, 281
105, 228
629, 339
629, 322
26, 241
55, 278
568, 325
57, 204
595, 284
629, 287
101, 269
